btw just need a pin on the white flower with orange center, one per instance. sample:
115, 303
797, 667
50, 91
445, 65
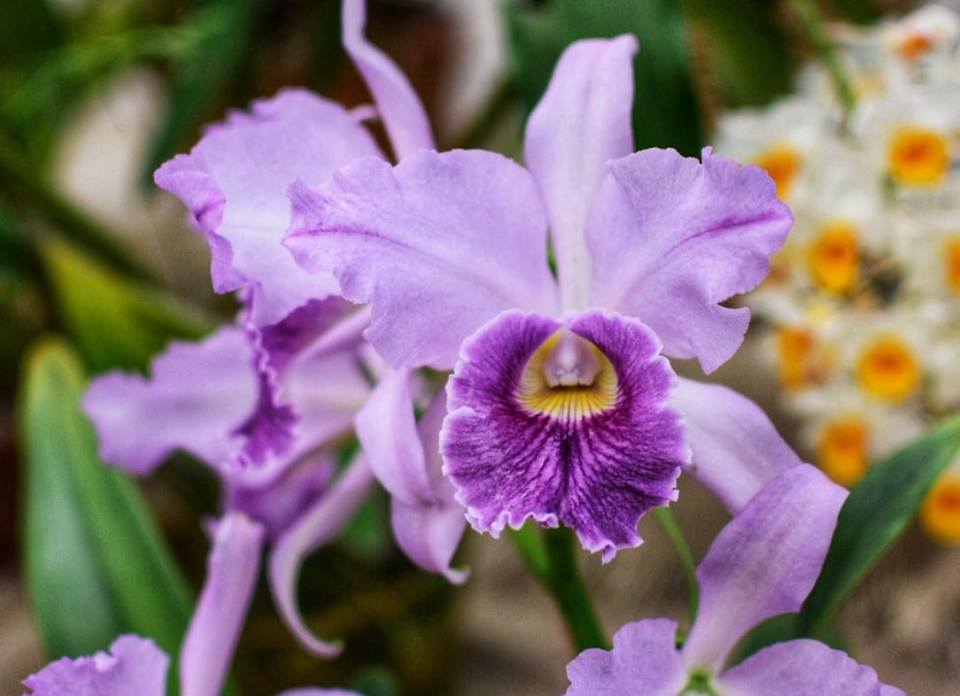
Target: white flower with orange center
780, 140
928, 247
806, 355
845, 431
860, 316
834, 257
782, 162
918, 155
843, 449
951, 263
888, 368
930, 30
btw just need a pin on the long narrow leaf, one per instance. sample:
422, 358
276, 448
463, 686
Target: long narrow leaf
875, 514
96, 564
68, 587
115, 322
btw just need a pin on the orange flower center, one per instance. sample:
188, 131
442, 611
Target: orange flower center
914, 46
918, 156
782, 163
842, 450
835, 257
794, 348
940, 514
888, 369
953, 264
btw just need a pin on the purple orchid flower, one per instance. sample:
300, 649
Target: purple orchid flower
262, 402
405, 456
134, 665
763, 563
561, 406
234, 183
195, 399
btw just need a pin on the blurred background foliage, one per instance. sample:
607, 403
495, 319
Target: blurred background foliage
82, 292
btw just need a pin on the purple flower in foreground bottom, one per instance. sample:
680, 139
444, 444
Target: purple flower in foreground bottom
560, 407
134, 667
763, 563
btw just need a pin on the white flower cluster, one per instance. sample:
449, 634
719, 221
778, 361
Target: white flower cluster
861, 313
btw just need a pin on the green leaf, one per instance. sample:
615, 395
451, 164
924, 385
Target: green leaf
21, 300
877, 511
221, 36
96, 564
21, 184
376, 681
68, 588
29, 27
116, 322
38, 97
781, 628
777, 629
666, 112
861, 11
746, 48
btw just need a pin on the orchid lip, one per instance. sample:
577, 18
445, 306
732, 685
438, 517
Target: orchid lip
592, 457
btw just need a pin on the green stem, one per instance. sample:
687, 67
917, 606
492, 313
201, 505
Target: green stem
813, 27
675, 535
63, 215
550, 556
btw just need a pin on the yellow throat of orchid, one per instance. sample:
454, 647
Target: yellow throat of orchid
842, 450
918, 156
888, 369
568, 378
782, 163
835, 257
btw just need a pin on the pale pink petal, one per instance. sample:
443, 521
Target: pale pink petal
438, 245
316, 527
233, 567
764, 562
582, 122
736, 449
671, 238
400, 108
